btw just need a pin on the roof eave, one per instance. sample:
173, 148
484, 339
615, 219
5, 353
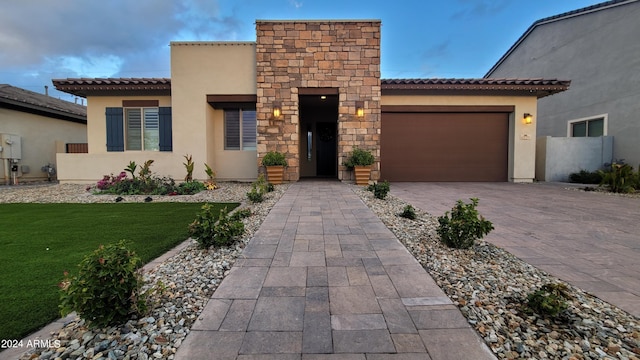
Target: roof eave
44, 111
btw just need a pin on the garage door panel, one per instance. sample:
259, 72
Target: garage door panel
444, 146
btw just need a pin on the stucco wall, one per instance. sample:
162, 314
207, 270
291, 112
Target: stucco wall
522, 145
600, 54
587, 153
40, 136
199, 69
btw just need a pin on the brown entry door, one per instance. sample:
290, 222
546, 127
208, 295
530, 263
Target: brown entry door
445, 146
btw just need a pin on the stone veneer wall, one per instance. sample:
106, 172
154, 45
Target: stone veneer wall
318, 54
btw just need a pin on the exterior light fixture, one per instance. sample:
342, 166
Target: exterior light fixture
277, 109
528, 118
359, 108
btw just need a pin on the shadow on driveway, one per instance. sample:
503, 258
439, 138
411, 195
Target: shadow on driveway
591, 240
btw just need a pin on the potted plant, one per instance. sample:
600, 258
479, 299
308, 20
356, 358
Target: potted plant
360, 161
274, 162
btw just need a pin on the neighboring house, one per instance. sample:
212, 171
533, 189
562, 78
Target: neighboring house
597, 48
310, 89
33, 128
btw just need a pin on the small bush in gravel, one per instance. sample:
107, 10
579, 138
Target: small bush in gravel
240, 214
548, 301
106, 290
585, 177
620, 178
380, 189
255, 195
464, 226
211, 230
408, 213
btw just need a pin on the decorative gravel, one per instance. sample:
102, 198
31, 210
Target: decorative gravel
490, 286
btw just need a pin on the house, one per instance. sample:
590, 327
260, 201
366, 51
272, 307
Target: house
312, 90
596, 47
33, 128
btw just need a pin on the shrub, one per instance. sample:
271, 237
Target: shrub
380, 189
359, 157
585, 177
255, 195
620, 178
465, 225
109, 181
106, 290
132, 169
210, 230
190, 187
240, 214
548, 301
274, 158
408, 213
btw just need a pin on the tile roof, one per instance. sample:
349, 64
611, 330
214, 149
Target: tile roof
29, 101
562, 16
113, 86
542, 87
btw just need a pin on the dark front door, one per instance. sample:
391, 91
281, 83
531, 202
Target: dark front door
326, 149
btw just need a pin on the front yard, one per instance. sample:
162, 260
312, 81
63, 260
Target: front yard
38, 242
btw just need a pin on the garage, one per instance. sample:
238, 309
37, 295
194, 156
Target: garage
445, 143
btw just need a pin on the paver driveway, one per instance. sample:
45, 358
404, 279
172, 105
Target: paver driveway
591, 240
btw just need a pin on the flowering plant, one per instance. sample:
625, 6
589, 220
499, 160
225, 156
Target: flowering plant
109, 180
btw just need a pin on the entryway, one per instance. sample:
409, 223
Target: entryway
318, 133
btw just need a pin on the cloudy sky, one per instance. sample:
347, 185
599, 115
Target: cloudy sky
45, 39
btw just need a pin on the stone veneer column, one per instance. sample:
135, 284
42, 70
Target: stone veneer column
318, 54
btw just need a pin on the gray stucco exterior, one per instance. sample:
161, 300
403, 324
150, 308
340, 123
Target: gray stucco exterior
598, 49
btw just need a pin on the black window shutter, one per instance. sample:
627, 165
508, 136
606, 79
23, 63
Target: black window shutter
115, 129
166, 142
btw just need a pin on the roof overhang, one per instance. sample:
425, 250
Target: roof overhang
84, 87
505, 87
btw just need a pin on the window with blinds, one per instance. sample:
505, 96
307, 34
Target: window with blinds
239, 129
142, 126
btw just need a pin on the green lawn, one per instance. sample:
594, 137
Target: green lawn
38, 242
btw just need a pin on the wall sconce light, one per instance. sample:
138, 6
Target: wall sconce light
359, 108
277, 110
528, 118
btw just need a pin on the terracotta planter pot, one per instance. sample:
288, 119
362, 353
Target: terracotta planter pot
363, 174
275, 174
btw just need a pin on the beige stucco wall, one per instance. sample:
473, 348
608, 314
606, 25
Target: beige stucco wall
199, 69
41, 137
522, 144
91, 167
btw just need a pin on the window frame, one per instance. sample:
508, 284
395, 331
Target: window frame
603, 117
241, 129
143, 122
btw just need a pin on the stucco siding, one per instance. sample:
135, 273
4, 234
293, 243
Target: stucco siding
199, 69
41, 138
600, 54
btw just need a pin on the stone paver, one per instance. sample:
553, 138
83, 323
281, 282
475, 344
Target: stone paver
324, 279
590, 240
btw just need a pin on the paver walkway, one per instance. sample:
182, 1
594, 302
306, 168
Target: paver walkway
323, 278
590, 240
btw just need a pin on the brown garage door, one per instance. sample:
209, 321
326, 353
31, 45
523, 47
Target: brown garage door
444, 146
